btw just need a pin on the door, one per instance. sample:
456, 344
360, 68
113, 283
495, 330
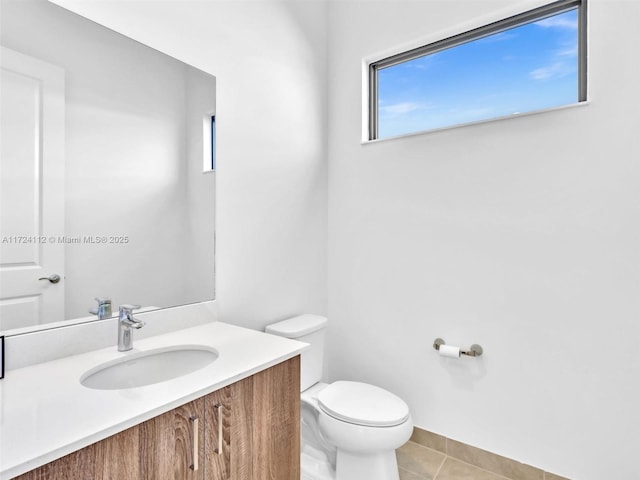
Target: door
32, 109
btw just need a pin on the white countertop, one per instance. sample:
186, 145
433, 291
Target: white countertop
45, 413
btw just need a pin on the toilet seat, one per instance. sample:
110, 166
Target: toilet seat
362, 404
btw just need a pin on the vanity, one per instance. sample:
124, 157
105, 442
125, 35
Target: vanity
236, 417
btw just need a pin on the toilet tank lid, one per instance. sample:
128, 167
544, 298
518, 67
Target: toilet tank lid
297, 326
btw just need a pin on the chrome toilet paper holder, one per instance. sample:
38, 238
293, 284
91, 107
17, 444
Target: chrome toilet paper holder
475, 350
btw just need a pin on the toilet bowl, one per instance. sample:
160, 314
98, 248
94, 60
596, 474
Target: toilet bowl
349, 430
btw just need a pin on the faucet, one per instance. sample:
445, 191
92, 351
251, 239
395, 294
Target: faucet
104, 308
125, 323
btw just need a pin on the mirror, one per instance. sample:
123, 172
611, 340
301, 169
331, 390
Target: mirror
107, 171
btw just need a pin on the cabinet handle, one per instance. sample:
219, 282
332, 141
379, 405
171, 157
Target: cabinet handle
194, 421
218, 407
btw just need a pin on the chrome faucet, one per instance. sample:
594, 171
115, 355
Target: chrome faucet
125, 323
104, 308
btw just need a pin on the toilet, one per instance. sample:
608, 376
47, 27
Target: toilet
349, 430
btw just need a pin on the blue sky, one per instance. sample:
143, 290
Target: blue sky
526, 68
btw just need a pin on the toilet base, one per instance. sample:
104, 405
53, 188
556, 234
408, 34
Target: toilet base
372, 466
315, 465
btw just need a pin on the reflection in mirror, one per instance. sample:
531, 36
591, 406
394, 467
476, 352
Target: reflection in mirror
101, 171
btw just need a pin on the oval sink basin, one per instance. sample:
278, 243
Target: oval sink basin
147, 368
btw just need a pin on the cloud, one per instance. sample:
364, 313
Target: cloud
558, 22
401, 108
571, 51
557, 69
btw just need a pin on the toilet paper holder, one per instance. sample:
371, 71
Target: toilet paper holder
475, 350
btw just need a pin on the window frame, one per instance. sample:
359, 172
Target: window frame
213, 142
209, 142
530, 16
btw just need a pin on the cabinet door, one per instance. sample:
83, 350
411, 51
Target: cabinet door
160, 448
116, 457
265, 424
76, 466
172, 444
218, 418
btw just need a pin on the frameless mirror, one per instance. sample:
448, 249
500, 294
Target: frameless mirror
107, 185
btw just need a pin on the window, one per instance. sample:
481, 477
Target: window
213, 142
209, 143
525, 63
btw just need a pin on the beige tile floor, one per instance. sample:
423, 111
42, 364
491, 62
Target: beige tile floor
417, 462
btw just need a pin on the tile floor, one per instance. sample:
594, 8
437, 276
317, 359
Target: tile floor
432, 457
416, 462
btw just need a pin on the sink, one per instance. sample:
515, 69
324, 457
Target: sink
147, 368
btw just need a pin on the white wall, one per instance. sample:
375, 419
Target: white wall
125, 160
269, 58
521, 235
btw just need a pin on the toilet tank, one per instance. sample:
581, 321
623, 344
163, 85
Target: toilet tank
309, 329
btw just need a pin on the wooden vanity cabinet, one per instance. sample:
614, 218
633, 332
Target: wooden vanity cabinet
249, 430
265, 425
